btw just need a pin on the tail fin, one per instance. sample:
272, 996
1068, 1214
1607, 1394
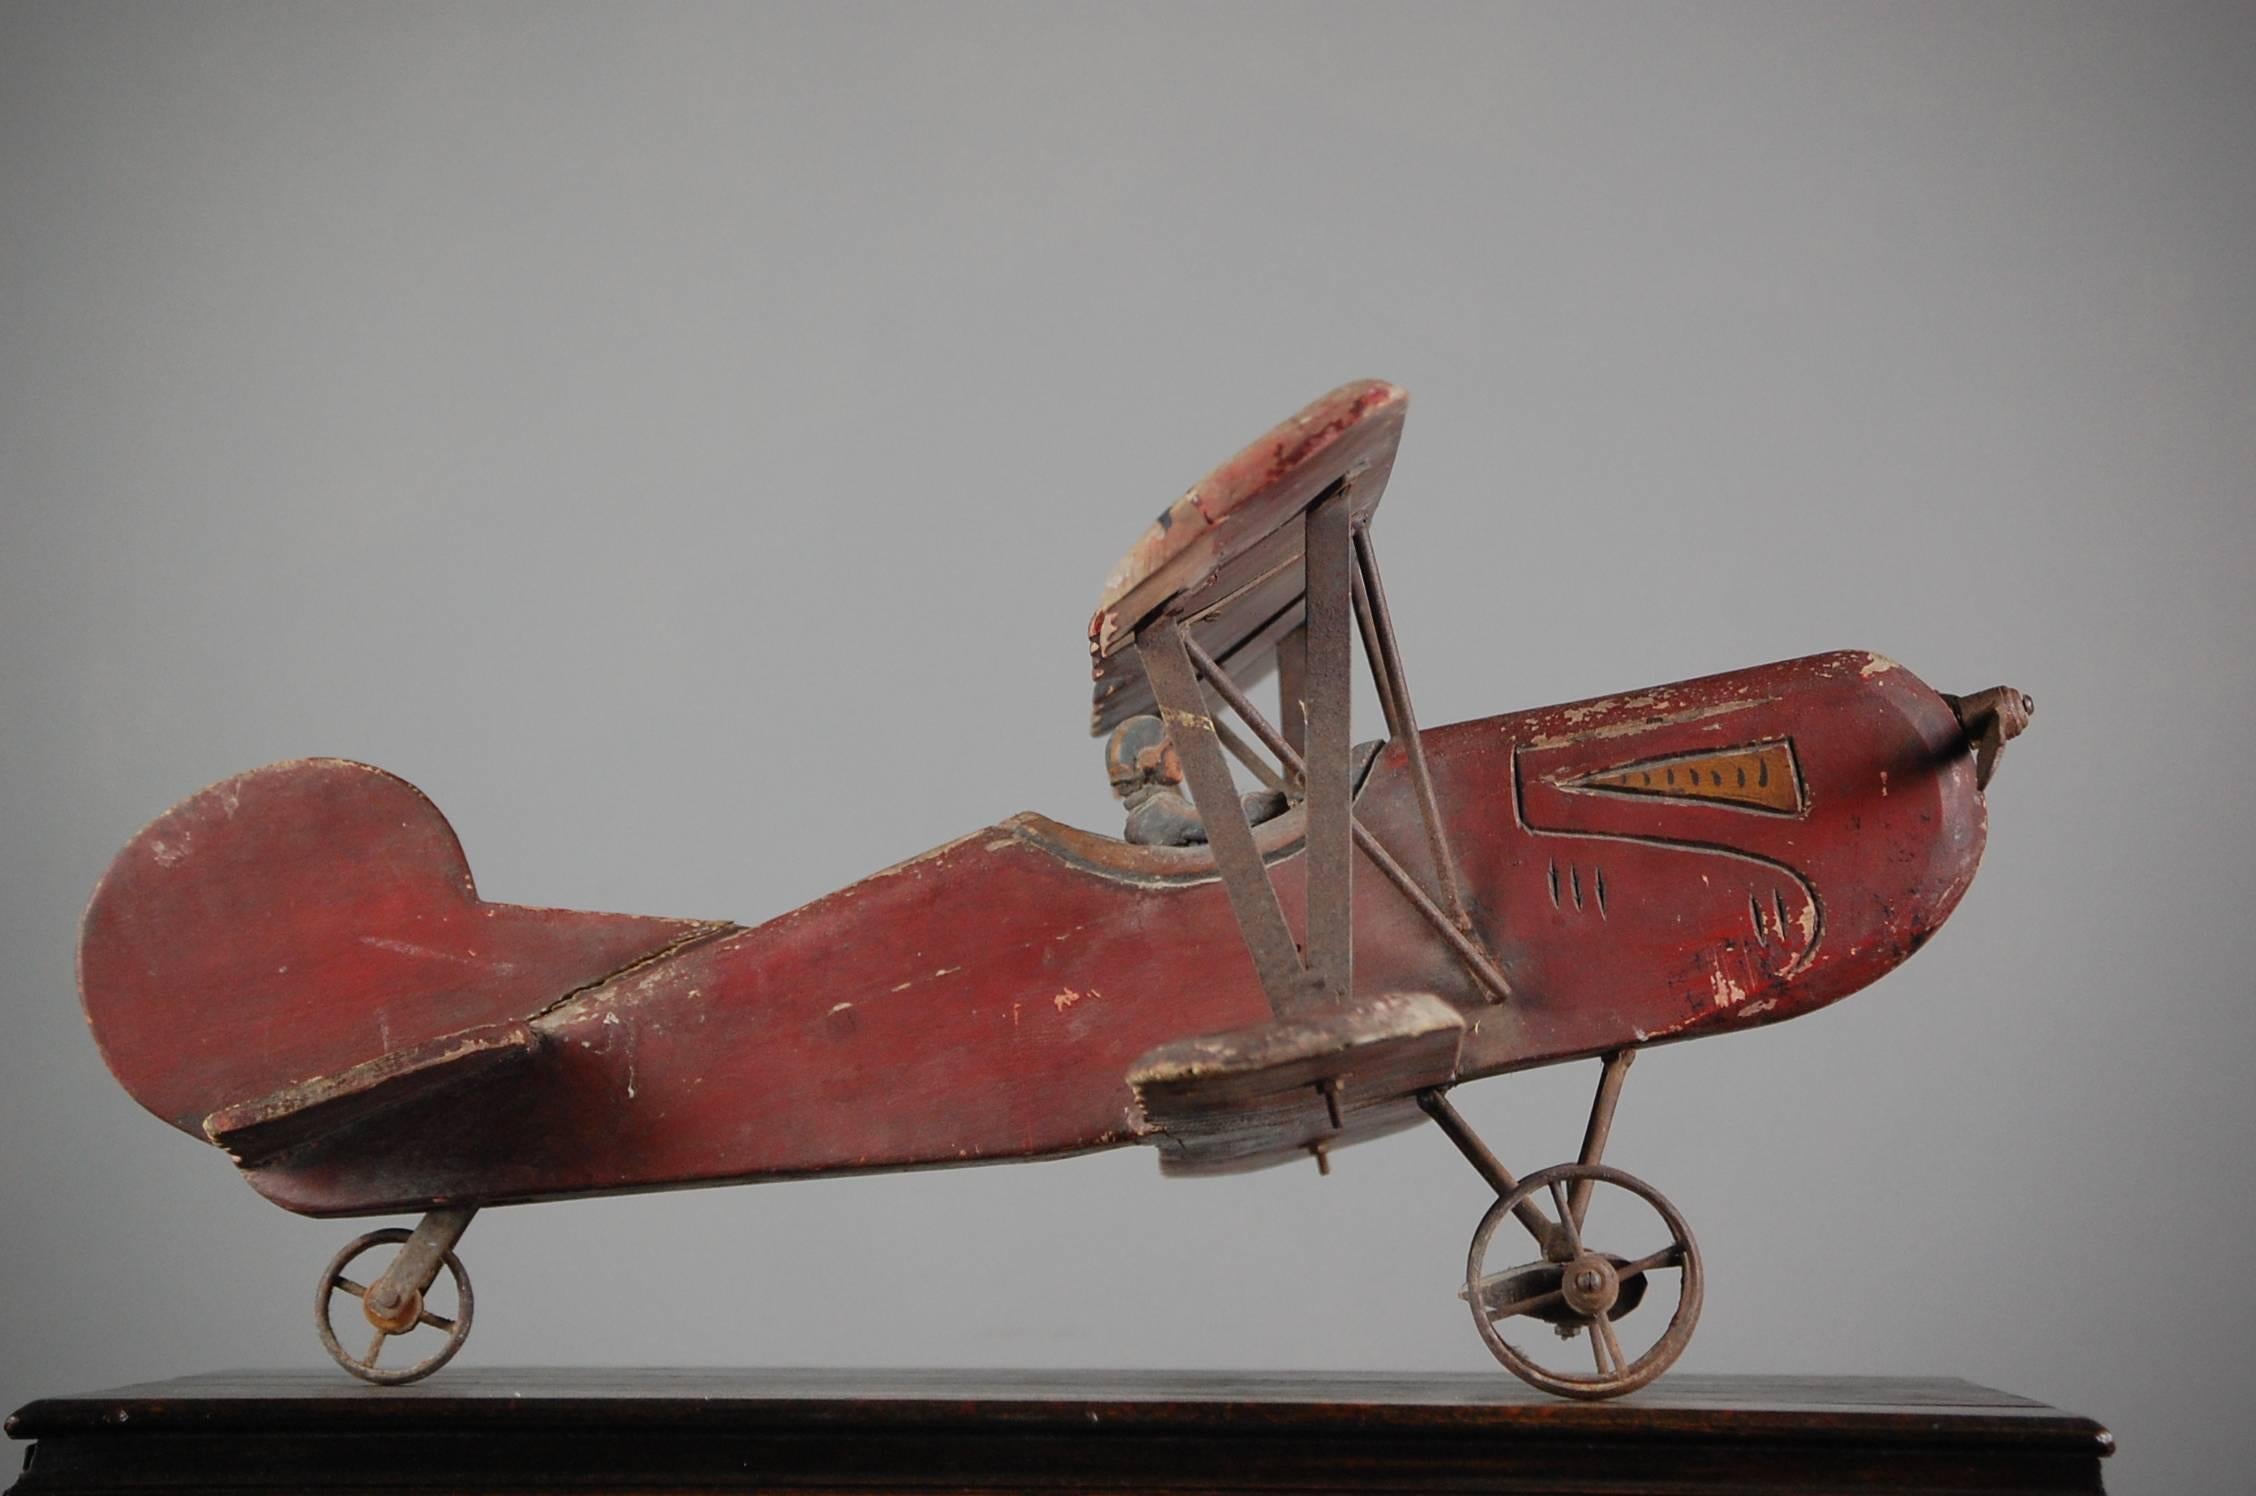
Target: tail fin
295, 947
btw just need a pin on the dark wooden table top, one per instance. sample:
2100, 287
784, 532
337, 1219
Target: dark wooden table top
580, 1430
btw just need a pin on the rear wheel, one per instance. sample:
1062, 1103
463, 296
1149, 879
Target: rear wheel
433, 1332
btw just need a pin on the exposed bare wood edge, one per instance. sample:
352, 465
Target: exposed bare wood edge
1264, 1094
1396, 684
1261, 920
260, 1131
1239, 1062
1346, 423
1366, 1121
1121, 697
264, 1131
1476, 960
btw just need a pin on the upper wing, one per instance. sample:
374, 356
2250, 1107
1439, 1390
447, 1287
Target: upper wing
1228, 553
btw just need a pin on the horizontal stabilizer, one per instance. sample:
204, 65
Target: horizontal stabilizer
296, 946
255, 1131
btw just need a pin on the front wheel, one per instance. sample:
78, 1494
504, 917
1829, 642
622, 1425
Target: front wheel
1574, 1289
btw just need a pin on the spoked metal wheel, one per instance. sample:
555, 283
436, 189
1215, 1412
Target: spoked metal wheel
1574, 1288
406, 1315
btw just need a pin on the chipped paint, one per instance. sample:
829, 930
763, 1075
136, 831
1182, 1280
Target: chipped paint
409, 948
1072, 1071
937, 856
1877, 665
1607, 705
1640, 725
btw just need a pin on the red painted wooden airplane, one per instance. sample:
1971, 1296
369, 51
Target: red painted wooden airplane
295, 963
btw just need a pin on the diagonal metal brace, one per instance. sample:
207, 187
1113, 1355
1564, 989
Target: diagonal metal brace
1165, 646
1482, 966
1394, 695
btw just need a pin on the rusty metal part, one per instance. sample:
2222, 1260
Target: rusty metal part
1600, 1126
1991, 719
394, 1303
1244, 753
1437, 1105
1292, 687
1541, 1283
1402, 721
392, 1311
1594, 1288
1339, 581
412, 1271
1477, 961
1329, 557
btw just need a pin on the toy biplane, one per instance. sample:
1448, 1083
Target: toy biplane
295, 964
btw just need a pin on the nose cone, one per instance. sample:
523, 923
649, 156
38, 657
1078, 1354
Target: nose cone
1991, 719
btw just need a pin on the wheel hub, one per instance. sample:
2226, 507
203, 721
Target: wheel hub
1589, 1285
392, 1312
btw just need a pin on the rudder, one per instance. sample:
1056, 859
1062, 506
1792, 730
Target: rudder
313, 918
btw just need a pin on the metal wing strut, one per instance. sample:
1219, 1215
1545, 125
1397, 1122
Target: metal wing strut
1340, 576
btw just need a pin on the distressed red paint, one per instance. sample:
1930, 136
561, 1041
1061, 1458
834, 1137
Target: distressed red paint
988, 999
296, 964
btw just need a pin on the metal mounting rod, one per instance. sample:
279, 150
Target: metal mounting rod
1437, 1106
1601, 1125
1328, 570
417, 1262
1243, 752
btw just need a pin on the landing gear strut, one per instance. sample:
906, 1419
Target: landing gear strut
394, 1304
1572, 1286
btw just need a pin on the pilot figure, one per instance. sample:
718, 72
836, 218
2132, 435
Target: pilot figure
1146, 775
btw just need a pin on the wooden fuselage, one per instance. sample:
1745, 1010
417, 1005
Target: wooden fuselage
987, 1000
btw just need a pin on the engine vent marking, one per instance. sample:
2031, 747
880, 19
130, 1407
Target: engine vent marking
1759, 776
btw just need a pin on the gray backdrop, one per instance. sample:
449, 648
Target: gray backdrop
533, 399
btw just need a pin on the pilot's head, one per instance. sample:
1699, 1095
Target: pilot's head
1139, 753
